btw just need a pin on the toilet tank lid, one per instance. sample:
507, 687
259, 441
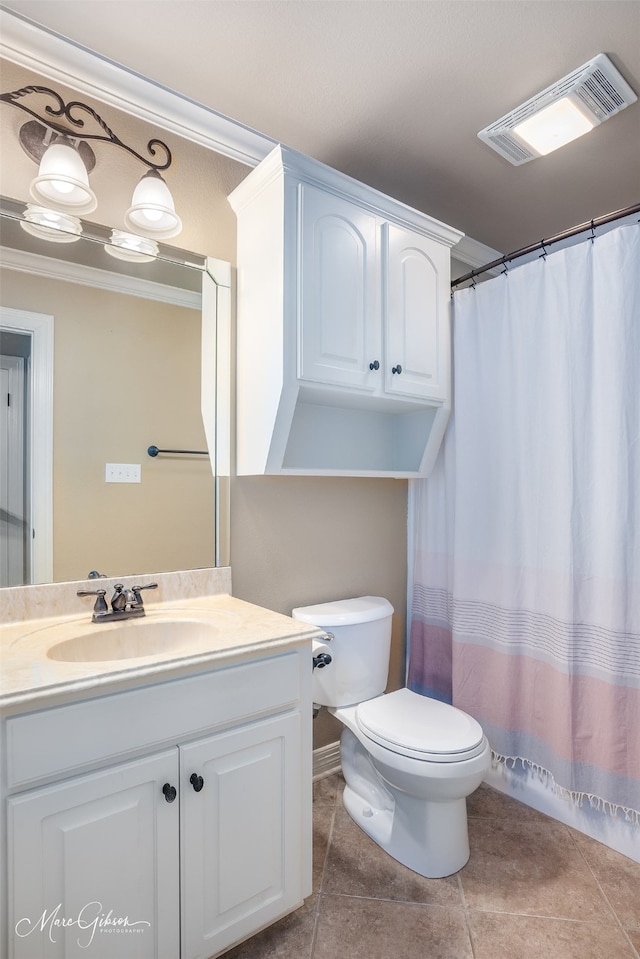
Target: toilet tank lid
345, 612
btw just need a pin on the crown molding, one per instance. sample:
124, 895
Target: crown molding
51, 268
34, 47
474, 253
304, 168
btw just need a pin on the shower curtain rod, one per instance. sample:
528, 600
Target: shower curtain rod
543, 244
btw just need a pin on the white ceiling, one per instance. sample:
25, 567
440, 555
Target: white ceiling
393, 92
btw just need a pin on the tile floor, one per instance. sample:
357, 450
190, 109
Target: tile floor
532, 889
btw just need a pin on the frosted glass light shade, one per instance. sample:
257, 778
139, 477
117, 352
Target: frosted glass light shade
62, 182
152, 211
134, 249
552, 127
51, 225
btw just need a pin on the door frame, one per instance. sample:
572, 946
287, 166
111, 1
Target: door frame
13, 414
39, 326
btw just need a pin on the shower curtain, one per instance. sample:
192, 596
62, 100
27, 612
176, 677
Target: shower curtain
526, 539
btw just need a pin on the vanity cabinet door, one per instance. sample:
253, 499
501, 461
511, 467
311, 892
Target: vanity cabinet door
339, 332
241, 833
93, 865
415, 314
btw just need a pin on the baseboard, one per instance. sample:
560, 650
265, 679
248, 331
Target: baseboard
326, 760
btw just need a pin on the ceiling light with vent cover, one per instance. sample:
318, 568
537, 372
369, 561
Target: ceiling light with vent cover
561, 113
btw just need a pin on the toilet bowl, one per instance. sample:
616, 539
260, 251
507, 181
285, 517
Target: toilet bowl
408, 761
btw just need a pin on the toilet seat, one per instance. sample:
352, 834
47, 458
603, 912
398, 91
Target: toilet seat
417, 726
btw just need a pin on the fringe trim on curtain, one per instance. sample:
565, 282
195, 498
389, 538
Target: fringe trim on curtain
577, 798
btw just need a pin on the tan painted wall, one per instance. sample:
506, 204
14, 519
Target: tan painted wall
302, 540
294, 540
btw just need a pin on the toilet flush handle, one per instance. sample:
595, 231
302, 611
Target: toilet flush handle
321, 660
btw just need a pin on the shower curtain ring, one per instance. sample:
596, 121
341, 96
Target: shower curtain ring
593, 232
543, 255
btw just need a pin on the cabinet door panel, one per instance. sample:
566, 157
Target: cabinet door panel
339, 326
241, 833
101, 853
416, 315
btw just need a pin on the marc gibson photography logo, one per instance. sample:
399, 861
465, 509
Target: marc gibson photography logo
90, 920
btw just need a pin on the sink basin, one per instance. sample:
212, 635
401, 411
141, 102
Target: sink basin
130, 640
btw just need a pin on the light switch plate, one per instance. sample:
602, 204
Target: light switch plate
122, 473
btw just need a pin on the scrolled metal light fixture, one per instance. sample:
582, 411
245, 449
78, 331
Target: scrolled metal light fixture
57, 139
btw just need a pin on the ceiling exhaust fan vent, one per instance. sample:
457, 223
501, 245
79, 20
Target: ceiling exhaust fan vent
597, 87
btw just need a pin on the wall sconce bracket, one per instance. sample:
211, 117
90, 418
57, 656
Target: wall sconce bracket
56, 139
72, 113
35, 138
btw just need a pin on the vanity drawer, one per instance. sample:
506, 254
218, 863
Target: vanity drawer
66, 739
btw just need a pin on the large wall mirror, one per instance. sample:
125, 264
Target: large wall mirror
136, 361
103, 358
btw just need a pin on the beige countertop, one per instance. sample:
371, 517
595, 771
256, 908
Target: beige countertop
221, 630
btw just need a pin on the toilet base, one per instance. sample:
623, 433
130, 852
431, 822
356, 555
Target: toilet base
440, 852
429, 837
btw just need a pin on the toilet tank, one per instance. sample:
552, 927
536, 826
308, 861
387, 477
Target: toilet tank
360, 648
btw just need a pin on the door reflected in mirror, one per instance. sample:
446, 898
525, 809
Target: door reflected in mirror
102, 359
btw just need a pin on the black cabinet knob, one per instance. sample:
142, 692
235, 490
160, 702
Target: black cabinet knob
196, 781
169, 791
375, 365
396, 369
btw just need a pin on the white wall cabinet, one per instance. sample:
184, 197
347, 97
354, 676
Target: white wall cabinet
340, 329
343, 362
197, 844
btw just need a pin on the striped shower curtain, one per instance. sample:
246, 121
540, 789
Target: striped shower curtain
526, 538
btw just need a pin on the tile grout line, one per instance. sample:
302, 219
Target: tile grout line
314, 934
603, 893
465, 909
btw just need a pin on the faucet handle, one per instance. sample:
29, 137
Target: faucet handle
100, 605
136, 591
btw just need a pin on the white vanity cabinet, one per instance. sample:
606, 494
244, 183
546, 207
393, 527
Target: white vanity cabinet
240, 833
190, 829
343, 346
84, 848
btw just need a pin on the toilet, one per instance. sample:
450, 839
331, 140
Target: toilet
408, 761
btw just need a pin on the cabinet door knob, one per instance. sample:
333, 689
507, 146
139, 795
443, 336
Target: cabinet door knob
170, 792
375, 365
196, 781
396, 369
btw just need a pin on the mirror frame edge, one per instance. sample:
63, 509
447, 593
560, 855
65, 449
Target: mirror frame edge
216, 394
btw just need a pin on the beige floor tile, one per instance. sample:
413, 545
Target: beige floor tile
488, 803
290, 938
531, 868
327, 790
634, 936
373, 929
356, 866
524, 937
322, 823
618, 876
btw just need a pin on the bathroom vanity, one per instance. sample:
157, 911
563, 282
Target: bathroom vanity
155, 805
